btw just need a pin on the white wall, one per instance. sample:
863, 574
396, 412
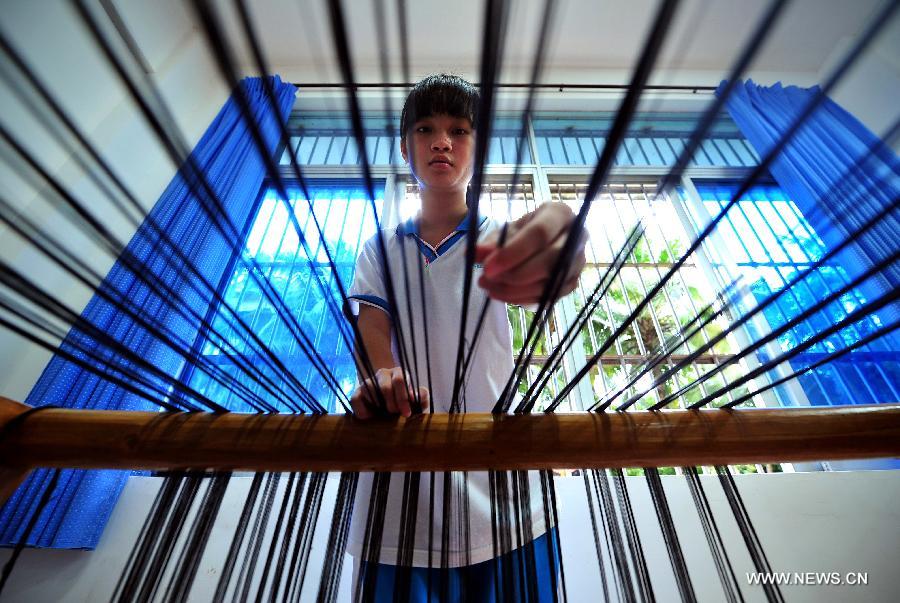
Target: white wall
60, 50
872, 89
818, 522
814, 522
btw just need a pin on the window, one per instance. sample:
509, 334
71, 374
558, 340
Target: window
326, 139
769, 242
664, 321
765, 239
297, 279
654, 140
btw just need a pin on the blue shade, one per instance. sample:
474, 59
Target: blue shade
768, 241
327, 139
345, 215
654, 139
83, 501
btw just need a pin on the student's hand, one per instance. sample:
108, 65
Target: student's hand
396, 391
518, 272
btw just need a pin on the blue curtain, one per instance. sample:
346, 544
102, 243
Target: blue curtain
83, 500
838, 172
839, 175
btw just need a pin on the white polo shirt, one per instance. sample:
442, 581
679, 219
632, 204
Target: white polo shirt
492, 363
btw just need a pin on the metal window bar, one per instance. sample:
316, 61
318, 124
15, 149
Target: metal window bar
751, 251
620, 197
275, 235
327, 140
548, 342
271, 327
635, 327
888, 381
330, 202
655, 142
337, 147
267, 234
646, 196
211, 347
503, 203
753, 265
657, 324
764, 250
760, 199
339, 219
569, 194
578, 192
719, 266
801, 223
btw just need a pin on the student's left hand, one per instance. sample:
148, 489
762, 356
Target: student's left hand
518, 272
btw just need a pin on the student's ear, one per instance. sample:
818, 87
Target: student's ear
403, 149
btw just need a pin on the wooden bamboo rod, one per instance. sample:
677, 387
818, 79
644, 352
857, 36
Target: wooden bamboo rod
147, 440
11, 475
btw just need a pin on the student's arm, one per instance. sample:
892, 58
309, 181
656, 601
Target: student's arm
375, 330
518, 272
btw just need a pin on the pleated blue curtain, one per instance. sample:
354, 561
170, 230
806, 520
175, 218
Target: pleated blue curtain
838, 172
83, 500
840, 175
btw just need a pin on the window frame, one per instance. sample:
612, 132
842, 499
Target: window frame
395, 178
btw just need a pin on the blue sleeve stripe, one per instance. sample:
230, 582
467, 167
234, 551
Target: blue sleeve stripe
373, 300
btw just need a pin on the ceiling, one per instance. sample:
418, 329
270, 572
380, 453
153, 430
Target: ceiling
592, 40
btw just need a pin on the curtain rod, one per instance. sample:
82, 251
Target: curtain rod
559, 87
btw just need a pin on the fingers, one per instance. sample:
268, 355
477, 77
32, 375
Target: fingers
402, 394
483, 250
486, 246
389, 392
386, 386
527, 238
425, 397
516, 294
519, 272
532, 270
529, 293
358, 403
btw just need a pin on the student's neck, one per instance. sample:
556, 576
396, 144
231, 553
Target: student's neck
441, 213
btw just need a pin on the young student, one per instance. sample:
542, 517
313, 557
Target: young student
438, 126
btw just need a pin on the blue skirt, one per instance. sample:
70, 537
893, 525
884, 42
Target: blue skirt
529, 573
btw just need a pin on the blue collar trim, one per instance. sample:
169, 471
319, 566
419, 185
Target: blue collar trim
449, 242
464, 225
410, 227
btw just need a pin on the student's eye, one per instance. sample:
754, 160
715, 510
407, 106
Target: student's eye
460, 131
423, 129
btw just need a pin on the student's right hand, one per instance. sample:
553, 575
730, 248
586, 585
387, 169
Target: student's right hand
396, 393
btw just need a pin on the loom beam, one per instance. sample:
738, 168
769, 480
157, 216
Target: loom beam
91, 439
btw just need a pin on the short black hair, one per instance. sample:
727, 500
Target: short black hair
439, 93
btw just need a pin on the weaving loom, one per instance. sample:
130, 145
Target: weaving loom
202, 397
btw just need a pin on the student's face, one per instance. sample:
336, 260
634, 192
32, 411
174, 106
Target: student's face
439, 149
